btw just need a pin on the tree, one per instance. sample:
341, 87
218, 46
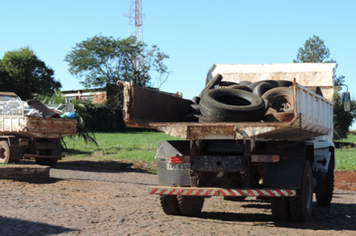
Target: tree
22, 72
102, 61
315, 51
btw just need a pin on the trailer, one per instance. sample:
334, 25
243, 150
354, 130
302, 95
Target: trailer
279, 149
26, 136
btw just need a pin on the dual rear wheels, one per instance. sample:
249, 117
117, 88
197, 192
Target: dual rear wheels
181, 205
299, 208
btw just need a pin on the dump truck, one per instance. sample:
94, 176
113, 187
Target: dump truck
263, 131
26, 133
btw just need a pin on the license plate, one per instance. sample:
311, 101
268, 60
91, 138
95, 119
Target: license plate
181, 166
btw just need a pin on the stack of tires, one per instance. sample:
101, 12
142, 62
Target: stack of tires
222, 101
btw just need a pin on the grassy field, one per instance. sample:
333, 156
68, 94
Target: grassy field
142, 146
346, 157
117, 146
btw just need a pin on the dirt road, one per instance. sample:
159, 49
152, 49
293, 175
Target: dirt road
87, 198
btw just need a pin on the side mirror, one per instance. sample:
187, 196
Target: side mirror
346, 101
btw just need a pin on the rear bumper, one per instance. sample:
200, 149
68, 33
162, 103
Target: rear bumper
207, 192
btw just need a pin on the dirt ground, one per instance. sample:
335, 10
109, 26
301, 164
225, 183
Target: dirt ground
345, 180
111, 198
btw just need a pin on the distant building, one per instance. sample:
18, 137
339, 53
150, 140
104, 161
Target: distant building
96, 96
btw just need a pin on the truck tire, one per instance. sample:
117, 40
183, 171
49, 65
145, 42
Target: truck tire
231, 105
240, 86
169, 204
280, 208
284, 83
190, 205
46, 161
4, 152
262, 87
324, 199
279, 99
211, 84
301, 205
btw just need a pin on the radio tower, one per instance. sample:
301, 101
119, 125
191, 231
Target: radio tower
135, 19
135, 26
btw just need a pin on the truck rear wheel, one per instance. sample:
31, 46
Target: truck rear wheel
301, 205
324, 199
280, 208
4, 152
46, 161
190, 205
169, 204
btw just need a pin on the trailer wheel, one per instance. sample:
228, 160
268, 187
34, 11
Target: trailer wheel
4, 152
301, 205
324, 199
169, 204
190, 205
46, 161
280, 208
231, 105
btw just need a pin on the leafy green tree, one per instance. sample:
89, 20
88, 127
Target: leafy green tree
315, 51
102, 61
22, 72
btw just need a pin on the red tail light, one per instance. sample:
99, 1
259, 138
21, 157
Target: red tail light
177, 160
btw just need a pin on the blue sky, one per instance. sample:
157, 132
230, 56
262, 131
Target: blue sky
195, 34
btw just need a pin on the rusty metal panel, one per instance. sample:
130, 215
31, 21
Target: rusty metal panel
143, 106
37, 126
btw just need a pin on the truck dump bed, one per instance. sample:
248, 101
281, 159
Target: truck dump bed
149, 108
37, 127
16, 119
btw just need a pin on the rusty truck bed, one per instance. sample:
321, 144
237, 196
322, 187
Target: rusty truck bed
149, 108
37, 127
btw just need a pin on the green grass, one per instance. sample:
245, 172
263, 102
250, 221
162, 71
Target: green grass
346, 156
346, 159
117, 146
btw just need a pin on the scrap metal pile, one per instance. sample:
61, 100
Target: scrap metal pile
12, 105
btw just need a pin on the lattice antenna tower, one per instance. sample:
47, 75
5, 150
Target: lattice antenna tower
135, 19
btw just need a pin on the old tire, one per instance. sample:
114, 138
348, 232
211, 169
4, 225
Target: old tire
284, 83
4, 152
324, 199
280, 208
301, 205
262, 88
231, 105
190, 205
280, 99
46, 161
240, 86
211, 84
169, 204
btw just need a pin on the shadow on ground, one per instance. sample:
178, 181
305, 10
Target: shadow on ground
12, 226
338, 216
105, 166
